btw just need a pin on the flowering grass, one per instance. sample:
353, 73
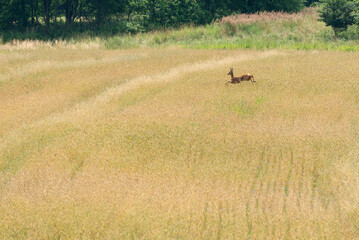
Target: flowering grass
265, 16
150, 144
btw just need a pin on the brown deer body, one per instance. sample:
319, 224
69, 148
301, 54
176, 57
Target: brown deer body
245, 77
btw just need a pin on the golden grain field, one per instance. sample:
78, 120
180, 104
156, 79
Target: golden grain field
150, 144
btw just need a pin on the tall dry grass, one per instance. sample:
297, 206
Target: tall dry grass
150, 144
247, 18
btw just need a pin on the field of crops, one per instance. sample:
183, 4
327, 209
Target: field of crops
149, 143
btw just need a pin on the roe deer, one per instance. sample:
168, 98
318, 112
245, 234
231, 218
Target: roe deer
245, 77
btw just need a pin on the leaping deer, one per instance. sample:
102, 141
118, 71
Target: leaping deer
245, 77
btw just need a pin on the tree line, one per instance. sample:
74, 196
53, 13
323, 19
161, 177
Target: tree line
129, 15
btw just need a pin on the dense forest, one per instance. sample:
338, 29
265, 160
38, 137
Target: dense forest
114, 16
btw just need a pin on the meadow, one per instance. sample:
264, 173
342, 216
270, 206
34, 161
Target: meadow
260, 31
149, 143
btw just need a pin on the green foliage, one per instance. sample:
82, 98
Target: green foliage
352, 33
13, 13
283, 5
357, 12
310, 2
339, 14
260, 5
51, 17
164, 13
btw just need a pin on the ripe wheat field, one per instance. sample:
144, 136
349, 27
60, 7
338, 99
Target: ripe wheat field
150, 144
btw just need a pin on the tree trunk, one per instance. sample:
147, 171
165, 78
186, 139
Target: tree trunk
32, 12
56, 13
23, 14
80, 12
35, 11
100, 12
71, 11
68, 12
47, 4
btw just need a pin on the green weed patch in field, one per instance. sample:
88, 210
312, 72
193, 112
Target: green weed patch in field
123, 42
15, 157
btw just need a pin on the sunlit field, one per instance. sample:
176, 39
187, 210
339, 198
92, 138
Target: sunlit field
149, 143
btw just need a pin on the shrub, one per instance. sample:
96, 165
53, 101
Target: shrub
339, 14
